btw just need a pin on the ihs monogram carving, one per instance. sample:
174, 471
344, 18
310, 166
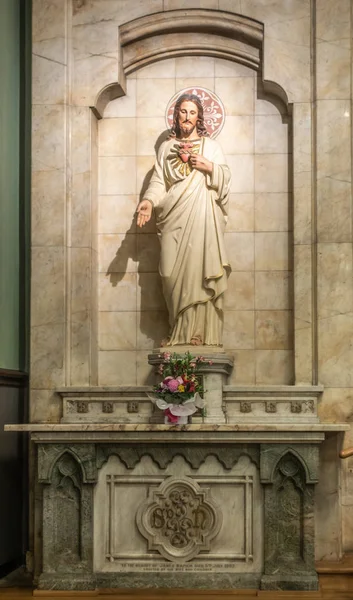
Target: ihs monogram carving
179, 519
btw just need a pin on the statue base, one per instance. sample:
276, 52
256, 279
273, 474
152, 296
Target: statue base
215, 372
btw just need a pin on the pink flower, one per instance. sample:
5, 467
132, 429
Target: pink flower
171, 418
172, 385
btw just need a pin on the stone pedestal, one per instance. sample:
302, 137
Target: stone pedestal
214, 371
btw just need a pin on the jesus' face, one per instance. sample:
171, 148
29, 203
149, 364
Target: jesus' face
188, 115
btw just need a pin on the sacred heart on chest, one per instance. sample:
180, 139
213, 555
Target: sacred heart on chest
185, 150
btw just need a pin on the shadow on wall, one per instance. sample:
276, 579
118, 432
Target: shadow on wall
138, 253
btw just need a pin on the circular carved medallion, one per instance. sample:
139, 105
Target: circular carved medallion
213, 109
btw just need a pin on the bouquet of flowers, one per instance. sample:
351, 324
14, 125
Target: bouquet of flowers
179, 394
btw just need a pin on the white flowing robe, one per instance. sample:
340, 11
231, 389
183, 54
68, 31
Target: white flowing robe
191, 213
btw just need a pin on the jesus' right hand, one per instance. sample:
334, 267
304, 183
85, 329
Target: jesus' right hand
144, 212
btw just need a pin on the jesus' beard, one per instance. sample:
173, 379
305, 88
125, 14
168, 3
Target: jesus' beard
186, 130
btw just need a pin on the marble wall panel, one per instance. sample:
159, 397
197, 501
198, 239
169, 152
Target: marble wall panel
302, 170
273, 290
271, 173
272, 212
117, 175
240, 213
274, 367
335, 350
118, 253
244, 371
240, 249
335, 290
272, 251
48, 291
81, 315
242, 169
48, 137
49, 84
333, 49
49, 30
287, 30
303, 313
45, 406
240, 293
117, 137
334, 212
117, 292
48, 208
117, 330
117, 367
126, 105
117, 214
238, 329
274, 330
47, 356
236, 92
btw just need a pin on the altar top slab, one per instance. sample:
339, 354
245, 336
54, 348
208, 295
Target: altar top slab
248, 427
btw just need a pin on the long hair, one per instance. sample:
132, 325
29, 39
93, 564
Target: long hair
200, 124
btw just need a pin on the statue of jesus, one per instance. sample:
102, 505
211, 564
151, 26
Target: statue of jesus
189, 193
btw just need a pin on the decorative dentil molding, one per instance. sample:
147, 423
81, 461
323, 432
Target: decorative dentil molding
179, 519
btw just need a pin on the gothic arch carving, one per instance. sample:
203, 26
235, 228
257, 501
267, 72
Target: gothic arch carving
192, 32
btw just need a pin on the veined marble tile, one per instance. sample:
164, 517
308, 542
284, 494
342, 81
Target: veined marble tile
48, 81
240, 250
83, 139
240, 292
237, 137
242, 170
148, 253
149, 130
159, 70
271, 173
153, 96
117, 367
207, 82
302, 168
48, 305
48, 208
274, 367
117, 137
152, 328
82, 209
81, 280
274, 330
272, 251
117, 175
236, 93
149, 292
240, 212
238, 331
117, 330
117, 214
117, 253
272, 212
45, 406
144, 372
336, 351
227, 68
109, 10
117, 292
271, 135
48, 137
91, 75
47, 356
49, 30
125, 106
334, 172
273, 290
201, 66
244, 372
335, 270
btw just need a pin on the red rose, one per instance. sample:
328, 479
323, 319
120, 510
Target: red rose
171, 418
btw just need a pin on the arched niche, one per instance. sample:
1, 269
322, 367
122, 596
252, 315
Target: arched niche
192, 32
